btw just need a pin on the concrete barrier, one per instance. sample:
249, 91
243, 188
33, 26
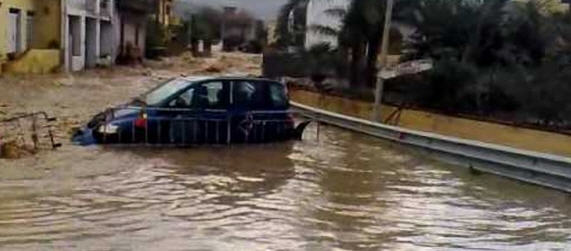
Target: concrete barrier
528, 166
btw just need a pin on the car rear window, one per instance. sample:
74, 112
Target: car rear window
259, 95
278, 96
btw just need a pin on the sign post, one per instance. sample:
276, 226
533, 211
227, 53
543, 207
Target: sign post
407, 68
376, 116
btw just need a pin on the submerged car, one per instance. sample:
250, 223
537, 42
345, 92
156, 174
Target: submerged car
199, 110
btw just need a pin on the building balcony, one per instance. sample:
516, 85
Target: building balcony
77, 5
106, 8
138, 6
93, 8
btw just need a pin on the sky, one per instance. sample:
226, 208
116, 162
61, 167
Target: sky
264, 9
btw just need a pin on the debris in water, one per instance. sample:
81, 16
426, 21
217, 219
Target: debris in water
26, 134
213, 68
64, 82
13, 150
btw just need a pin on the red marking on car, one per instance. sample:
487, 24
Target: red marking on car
141, 121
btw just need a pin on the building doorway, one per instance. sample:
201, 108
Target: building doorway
91, 41
75, 50
14, 31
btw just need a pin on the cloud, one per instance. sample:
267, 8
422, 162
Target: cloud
265, 9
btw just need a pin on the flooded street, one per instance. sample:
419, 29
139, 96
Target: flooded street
345, 192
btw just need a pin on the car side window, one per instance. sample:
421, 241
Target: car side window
184, 100
210, 95
215, 95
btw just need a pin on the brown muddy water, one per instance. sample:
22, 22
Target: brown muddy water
345, 192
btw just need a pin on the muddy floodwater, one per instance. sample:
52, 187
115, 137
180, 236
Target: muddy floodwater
343, 192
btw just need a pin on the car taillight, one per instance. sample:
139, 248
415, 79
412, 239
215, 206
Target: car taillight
141, 121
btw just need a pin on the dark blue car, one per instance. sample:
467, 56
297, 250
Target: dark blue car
199, 110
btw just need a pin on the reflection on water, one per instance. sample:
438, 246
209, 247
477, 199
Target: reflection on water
345, 192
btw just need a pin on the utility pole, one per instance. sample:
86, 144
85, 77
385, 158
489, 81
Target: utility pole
376, 116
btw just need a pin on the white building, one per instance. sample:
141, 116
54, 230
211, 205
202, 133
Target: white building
88, 33
317, 16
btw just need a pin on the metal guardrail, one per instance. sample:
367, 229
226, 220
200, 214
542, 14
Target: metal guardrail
532, 167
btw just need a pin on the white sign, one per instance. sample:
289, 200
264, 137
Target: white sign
407, 68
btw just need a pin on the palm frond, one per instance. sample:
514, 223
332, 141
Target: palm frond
336, 12
325, 30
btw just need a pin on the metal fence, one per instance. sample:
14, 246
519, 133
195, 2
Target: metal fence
187, 127
32, 131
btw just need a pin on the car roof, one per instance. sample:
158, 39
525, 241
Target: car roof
209, 78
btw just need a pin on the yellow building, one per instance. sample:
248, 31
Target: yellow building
165, 17
29, 35
164, 13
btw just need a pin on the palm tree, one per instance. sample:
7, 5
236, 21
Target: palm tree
361, 34
286, 37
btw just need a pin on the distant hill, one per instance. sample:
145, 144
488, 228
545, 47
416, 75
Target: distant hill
263, 9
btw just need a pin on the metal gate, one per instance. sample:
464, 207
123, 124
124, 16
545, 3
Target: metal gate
32, 131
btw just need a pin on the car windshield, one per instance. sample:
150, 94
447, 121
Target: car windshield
159, 94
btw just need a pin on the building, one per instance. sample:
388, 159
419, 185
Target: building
103, 32
317, 16
240, 28
132, 17
88, 36
44, 35
166, 21
29, 40
164, 13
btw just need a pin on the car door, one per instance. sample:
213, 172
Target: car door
249, 100
260, 111
198, 115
